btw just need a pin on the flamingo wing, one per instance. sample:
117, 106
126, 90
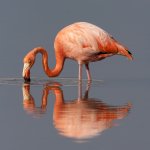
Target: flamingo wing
84, 41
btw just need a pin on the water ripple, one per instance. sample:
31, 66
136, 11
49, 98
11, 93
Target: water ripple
44, 81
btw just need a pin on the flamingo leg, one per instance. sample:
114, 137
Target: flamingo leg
86, 94
88, 72
80, 90
80, 72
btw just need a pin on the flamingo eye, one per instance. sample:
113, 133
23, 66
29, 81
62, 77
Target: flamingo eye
29, 61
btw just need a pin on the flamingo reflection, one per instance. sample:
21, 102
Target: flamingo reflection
81, 118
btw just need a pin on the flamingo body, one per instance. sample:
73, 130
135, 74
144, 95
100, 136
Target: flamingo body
82, 42
85, 42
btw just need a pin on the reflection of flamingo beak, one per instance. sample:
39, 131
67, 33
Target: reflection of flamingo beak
26, 72
26, 92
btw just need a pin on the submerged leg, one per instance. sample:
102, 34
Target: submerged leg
88, 72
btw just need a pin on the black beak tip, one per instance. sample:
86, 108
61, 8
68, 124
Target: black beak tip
27, 80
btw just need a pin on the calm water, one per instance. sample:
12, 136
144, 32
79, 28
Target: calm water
63, 114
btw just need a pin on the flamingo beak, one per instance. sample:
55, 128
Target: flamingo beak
26, 72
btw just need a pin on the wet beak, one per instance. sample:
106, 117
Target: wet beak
27, 79
26, 72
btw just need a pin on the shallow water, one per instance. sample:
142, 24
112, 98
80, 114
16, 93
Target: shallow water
62, 113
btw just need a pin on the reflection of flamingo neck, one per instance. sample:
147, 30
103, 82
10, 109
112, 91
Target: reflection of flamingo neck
59, 61
28, 100
57, 92
59, 99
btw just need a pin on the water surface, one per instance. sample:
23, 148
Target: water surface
45, 112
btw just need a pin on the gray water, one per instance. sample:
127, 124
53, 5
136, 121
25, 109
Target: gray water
53, 113
59, 113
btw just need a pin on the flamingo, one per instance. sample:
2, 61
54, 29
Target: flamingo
80, 41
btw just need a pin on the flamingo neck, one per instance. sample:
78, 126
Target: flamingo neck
59, 62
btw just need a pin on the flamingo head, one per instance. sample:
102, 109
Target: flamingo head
28, 61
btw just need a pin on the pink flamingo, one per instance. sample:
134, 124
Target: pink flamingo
82, 42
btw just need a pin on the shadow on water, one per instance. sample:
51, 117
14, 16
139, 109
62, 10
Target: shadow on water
80, 119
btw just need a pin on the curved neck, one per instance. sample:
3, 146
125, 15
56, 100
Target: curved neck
59, 61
